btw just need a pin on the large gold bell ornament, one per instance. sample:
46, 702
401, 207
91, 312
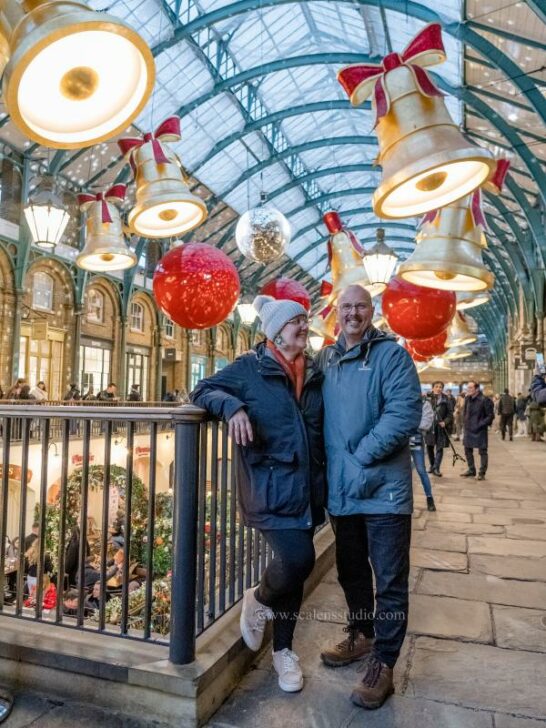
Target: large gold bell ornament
450, 243
471, 300
426, 161
74, 76
105, 247
164, 207
324, 324
457, 352
458, 332
345, 257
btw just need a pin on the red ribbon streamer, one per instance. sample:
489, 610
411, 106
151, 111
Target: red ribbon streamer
361, 80
168, 131
115, 194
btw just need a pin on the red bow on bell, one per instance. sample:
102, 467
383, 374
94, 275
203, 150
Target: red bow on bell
326, 289
115, 194
168, 131
426, 49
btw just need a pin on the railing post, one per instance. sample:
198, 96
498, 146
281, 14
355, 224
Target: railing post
184, 572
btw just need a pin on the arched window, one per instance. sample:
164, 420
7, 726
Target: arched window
137, 317
95, 306
169, 328
42, 291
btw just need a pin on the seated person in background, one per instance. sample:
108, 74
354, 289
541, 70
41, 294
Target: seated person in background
114, 575
49, 595
70, 603
31, 564
92, 601
90, 575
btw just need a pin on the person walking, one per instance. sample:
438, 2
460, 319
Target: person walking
521, 417
479, 414
507, 408
417, 444
437, 438
372, 401
271, 398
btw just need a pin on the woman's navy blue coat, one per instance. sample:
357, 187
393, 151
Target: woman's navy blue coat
280, 476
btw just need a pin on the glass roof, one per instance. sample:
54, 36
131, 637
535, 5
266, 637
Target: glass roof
262, 109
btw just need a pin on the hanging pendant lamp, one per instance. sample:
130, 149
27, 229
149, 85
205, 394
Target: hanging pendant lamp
380, 261
74, 77
105, 248
165, 206
426, 161
470, 300
46, 218
458, 333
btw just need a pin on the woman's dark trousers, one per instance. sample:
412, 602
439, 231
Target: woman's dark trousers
281, 585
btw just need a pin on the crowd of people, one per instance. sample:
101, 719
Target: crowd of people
68, 587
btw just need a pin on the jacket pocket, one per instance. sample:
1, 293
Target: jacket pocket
359, 481
277, 484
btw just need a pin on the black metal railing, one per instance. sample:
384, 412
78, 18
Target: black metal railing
138, 534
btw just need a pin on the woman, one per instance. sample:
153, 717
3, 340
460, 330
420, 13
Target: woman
417, 444
272, 400
31, 564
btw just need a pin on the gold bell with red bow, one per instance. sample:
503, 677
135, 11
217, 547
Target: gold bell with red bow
165, 207
105, 247
324, 323
426, 161
345, 257
458, 332
451, 241
74, 76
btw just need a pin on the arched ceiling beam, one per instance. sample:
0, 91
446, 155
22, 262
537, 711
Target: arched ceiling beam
461, 31
347, 214
323, 172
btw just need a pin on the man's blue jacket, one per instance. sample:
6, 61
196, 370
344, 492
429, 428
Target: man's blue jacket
372, 405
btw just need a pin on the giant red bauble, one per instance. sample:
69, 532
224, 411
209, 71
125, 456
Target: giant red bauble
435, 346
414, 355
416, 312
196, 285
286, 288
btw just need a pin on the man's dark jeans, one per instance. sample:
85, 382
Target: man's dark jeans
507, 421
469, 455
380, 543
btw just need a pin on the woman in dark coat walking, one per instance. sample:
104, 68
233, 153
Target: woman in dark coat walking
272, 400
479, 413
437, 438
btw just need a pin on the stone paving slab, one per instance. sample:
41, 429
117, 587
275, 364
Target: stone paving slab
452, 516
507, 518
479, 676
451, 618
485, 502
520, 629
509, 567
441, 560
484, 588
511, 721
506, 547
534, 533
431, 539
406, 712
476, 529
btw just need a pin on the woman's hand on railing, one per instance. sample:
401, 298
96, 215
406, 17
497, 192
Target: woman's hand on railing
240, 428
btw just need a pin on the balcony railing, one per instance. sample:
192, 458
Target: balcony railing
137, 525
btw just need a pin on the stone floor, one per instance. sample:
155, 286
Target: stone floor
474, 655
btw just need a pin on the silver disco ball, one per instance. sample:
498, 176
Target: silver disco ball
263, 233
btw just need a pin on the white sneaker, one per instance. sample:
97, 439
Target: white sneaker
286, 664
253, 619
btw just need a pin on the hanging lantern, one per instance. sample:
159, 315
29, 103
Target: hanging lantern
470, 300
345, 258
286, 288
458, 333
46, 219
435, 346
380, 261
75, 76
196, 285
165, 207
457, 352
247, 312
416, 312
426, 161
105, 247
263, 233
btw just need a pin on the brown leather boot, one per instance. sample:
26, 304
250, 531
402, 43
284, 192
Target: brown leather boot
375, 687
353, 648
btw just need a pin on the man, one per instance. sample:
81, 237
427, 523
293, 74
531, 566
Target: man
134, 394
73, 394
372, 401
507, 408
521, 406
108, 394
451, 402
478, 415
437, 438
32, 536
